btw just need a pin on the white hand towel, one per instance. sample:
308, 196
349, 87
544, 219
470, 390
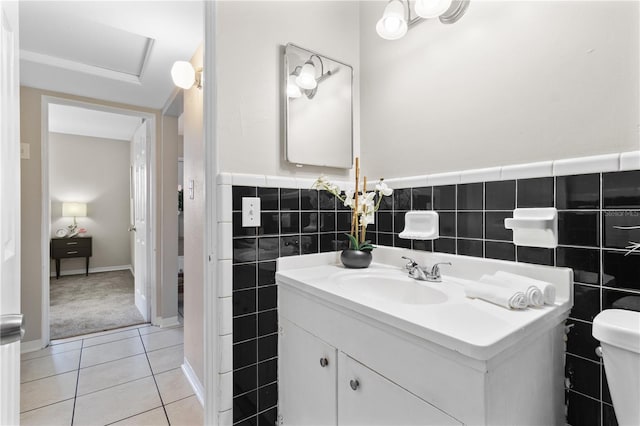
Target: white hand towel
532, 293
548, 289
498, 295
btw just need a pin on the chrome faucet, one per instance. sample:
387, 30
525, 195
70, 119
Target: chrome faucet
422, 274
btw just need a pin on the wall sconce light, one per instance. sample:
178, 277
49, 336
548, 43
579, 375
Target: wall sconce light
303, 79
74, 210
185, 76
397, 17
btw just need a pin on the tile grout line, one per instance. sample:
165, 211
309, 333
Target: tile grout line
75, 395
154, 380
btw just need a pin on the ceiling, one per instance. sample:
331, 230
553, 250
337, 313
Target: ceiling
90, 122
119, 51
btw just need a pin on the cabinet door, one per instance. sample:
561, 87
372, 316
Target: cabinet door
367, 398
307, 369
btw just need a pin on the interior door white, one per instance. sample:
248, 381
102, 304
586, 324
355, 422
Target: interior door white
140, 200
9, 207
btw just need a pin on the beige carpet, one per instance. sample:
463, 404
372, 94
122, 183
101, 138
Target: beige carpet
82, 305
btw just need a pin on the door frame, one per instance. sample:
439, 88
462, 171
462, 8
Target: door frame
150, 118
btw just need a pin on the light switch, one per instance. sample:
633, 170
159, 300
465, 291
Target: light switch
250, 211
25, 151
191, 189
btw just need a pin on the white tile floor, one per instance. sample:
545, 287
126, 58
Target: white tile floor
129, 376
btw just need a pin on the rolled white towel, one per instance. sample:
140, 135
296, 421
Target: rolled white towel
497, 295
532, 293
548, 289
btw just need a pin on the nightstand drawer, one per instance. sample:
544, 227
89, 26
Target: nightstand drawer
71, 251
70, 243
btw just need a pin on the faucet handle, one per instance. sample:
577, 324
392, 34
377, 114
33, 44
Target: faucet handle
411, 264
435, 269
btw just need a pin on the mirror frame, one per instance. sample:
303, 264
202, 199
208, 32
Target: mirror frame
286, 106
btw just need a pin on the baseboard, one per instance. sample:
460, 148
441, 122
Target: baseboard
197, 387
31, 346
166, 322
92, 270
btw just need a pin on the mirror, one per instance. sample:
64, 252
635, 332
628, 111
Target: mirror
318, 109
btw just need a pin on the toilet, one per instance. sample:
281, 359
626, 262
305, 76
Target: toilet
619, 334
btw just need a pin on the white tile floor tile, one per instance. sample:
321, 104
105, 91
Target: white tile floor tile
112, 337
163, 339
173, 385
113, 373
53, 349
117, 403
111, 381
47, 391
51, 365
111, 351
60, 413
155, 417
166, 359
185, 412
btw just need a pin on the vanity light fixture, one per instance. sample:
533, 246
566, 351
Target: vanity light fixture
397, 17
303, 79
393, 24
293, 90
185, 76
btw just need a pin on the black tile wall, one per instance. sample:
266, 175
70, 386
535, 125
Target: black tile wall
592, 208
293, 222
595, 213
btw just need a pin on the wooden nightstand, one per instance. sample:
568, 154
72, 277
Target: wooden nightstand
64, 248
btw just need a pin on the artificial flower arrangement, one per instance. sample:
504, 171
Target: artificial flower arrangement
363, 206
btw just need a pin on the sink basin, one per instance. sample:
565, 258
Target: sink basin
389, 287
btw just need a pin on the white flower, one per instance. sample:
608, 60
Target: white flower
384, 189
368, 199
349, 201
367, 219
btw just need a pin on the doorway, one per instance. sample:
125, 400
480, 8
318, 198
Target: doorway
113, 227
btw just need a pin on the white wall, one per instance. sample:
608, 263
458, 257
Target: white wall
93, 171
194, 224
511, 82
250, 39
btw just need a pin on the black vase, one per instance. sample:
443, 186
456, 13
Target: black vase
356, 259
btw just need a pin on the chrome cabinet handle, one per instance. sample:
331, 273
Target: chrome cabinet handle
72, 243
355, 384
324, 362
72, 252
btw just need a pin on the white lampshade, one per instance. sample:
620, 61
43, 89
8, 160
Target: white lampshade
293, 90
431, 8
74, 209
183, 74
393, 24
307, 78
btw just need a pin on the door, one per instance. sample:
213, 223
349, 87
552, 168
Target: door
367, 398
306, 378
139, 212
9, 210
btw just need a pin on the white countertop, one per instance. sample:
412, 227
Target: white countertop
470, 326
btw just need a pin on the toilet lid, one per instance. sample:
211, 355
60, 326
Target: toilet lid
618, 327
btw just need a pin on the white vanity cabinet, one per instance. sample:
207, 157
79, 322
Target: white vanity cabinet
320, 385
307, 379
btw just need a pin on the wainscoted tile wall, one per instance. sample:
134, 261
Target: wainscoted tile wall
301, 221
589, 206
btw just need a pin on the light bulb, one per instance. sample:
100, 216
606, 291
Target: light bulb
183, 74
293, 90
307, 78
431, 8
393, 24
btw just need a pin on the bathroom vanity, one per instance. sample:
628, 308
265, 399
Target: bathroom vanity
375, 347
